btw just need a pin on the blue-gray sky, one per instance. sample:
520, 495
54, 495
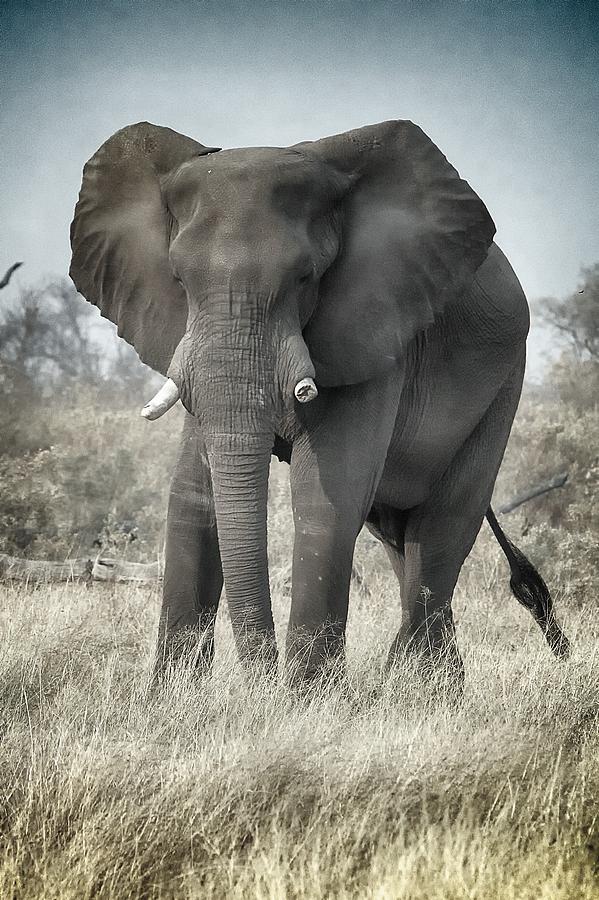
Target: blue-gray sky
508, 90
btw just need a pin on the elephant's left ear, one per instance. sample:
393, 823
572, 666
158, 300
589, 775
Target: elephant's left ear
413, 233
120, 238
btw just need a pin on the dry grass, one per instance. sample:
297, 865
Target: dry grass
220, 788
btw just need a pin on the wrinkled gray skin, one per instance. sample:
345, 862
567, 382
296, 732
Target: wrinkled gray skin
364, 262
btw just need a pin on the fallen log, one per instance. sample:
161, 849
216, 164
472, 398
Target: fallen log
125, 572
37, 571
13, 568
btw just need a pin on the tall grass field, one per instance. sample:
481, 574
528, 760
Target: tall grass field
381, 787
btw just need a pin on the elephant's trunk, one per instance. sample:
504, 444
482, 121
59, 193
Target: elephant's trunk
240, 465
228, 384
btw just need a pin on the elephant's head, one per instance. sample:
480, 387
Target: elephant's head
246, 275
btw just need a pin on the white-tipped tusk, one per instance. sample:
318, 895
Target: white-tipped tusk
305, 390
166, 397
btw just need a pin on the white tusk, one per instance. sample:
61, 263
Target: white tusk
305, 390
166, 397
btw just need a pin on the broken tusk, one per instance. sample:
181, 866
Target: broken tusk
166, 397
305, 390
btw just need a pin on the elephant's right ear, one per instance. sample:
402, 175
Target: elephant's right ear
120, 237
412, 235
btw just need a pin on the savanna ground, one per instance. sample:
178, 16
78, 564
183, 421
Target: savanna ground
379, 788
228, 789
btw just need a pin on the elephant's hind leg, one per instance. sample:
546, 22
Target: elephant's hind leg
193, 576
439, 535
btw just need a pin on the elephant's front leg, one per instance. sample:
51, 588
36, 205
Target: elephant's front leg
335, 468
193, 576
325, 535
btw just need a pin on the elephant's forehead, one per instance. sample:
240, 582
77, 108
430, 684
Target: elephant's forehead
251, 174
270, 163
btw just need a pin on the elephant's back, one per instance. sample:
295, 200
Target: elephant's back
497, 294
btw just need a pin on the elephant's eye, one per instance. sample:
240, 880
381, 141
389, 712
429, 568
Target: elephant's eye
306, 277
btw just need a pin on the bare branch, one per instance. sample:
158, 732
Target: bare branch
8, 274
557, 481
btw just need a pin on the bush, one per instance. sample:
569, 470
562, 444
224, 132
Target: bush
558, 530
98, 483
77, 473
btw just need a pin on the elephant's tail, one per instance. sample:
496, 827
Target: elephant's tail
530, 590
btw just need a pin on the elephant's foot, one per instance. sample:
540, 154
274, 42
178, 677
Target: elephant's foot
258, 654
433, 651
315, 659
187, 649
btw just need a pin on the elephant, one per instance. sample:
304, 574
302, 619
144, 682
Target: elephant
340, 303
